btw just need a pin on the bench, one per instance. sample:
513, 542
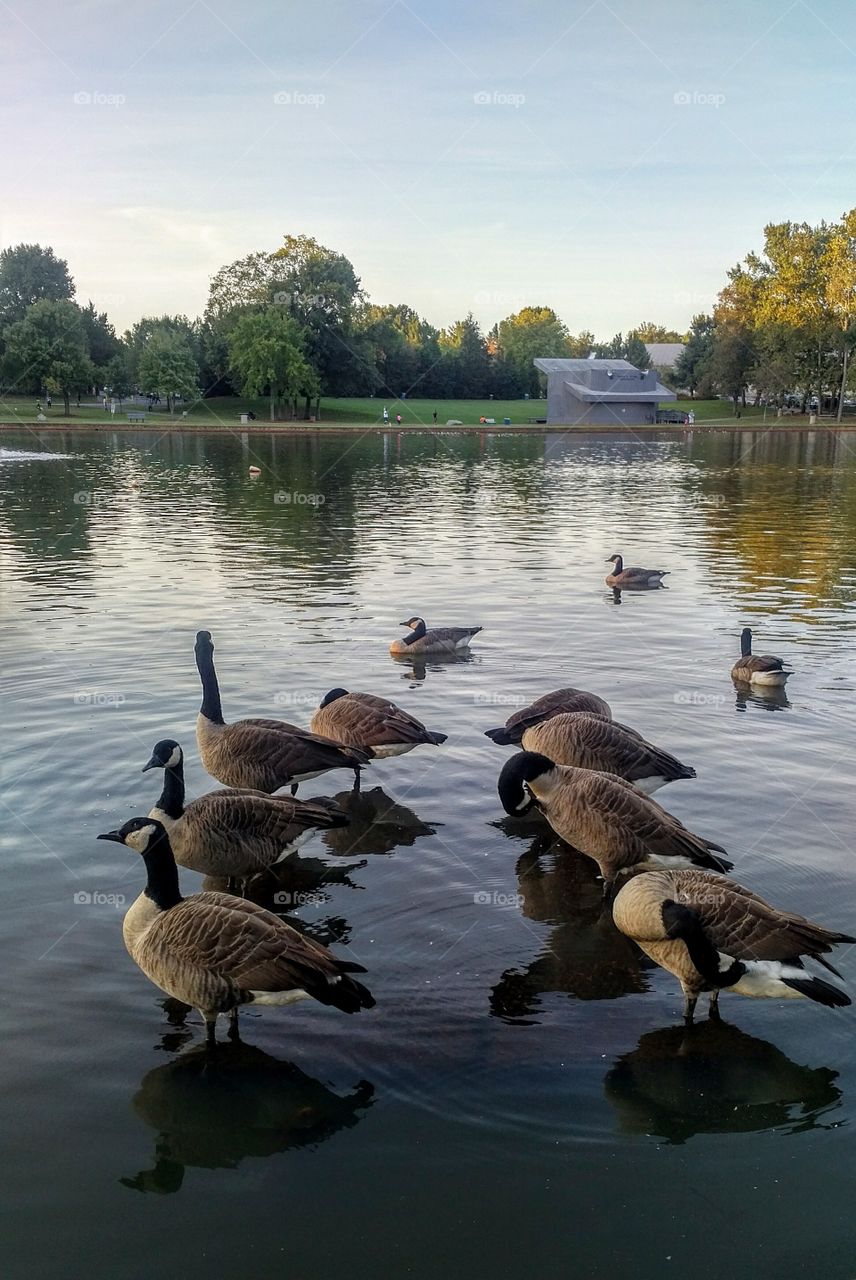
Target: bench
539, 421
136, 417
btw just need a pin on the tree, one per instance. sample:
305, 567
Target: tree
48, 348
581, 346
137, 338
521, 338
731, 359
100, 336
648, 331
266, 354
167, 367
466, 351
117, 375
694, 361
30, 274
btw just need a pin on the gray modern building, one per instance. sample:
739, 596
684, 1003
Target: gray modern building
601, 392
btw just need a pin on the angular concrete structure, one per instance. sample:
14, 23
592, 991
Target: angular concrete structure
601, 393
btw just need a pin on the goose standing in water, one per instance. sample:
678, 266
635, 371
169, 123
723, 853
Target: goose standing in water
263, 755
757, 668
560, 701
714, 935
437, 640
641, 579
603, 817
374, 725
216, 952
591, 742
233, 834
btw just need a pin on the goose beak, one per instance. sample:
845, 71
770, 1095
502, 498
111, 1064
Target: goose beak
153, 764
404, 624
112, 835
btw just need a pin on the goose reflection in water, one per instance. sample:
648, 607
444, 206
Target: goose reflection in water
747, 696
213, 1112
584, 955
714, 1078
378, 824
416, 667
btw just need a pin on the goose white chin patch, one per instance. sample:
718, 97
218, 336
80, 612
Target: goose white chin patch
175, 758
140, 839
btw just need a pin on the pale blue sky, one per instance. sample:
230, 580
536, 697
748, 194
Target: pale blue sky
581, 182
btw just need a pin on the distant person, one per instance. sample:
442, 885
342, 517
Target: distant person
38, 407
48, 400
385, 416
691, 417
398, 418
434, 416
251, 415
104, 403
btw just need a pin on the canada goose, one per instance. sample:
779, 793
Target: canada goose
437, 640
633, 576
551, 704
375, 725
590, 742
261, 754
216, 952
603, 817
233, 833
713, 935
757, 669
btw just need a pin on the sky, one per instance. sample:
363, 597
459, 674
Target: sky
610, 159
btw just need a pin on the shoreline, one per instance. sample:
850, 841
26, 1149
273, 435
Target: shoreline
347, 428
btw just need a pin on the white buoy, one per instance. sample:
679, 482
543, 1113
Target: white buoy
255, 471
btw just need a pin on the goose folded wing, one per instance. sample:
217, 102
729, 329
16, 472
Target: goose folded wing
242, 944
255, 813
743, 926
634, 825
286, 749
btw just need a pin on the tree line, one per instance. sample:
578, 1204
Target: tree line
295, 324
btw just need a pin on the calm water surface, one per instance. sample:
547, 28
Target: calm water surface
523, 1099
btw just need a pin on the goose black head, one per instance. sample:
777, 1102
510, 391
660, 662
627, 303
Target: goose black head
167, 754
332, 696
413, 622
140, 834
521, 769
204, 643
612, 559
746, 642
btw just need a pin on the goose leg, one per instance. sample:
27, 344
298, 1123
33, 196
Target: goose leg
357, 779
234, 1033
690, 1003
713, 1012
210, 1029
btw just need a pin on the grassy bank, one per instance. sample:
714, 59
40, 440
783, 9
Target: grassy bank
224, 412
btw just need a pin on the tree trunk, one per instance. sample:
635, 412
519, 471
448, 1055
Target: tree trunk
307, 408
272, 404
843, 383
66, 400
169, 402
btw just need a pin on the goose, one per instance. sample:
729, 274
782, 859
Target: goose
230, 833
633, 576
216, 952
375, 725
603, 817
263, 755
591, 742
757, 669
437, 640
714, 935
551, 704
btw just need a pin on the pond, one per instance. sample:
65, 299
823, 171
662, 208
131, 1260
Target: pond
524, 1098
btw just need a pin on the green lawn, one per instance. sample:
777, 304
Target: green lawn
224, 411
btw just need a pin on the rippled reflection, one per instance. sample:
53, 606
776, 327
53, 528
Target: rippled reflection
378, 824
212, 1111
714, 1078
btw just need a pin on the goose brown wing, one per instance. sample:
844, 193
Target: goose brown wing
285, 750
551, 704
364, 720
627, 827
259, 816
744, 926
593, 742
241, 943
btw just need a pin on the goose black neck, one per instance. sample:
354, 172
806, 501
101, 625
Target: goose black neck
171, 800
210, 708
746, 643
416, 634
619, 565
162, 874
